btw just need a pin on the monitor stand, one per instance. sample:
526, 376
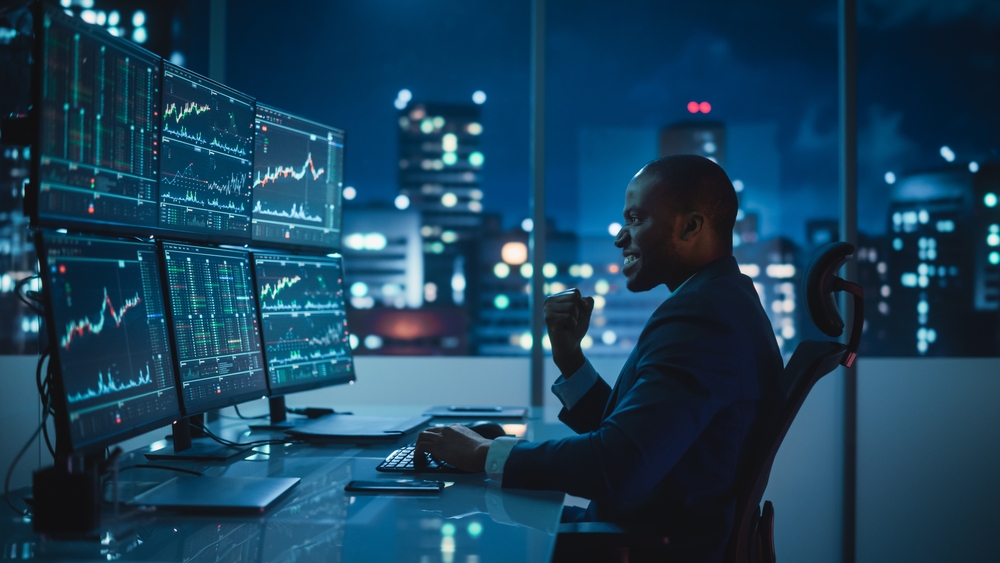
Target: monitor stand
191, 444
279, 415
222, 494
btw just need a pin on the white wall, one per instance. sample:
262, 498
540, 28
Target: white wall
928, 460
806, 484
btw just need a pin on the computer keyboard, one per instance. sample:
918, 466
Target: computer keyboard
402, 460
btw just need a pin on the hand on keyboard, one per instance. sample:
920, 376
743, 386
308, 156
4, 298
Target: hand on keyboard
403, 460
459, 445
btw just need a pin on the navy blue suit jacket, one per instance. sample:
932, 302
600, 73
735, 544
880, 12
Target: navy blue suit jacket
665, 445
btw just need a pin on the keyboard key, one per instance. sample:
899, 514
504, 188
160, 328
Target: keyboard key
403, 460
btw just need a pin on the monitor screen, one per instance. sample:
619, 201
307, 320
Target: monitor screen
297, 181
206, 160
99, 100
304, 321
214, 320
108, 330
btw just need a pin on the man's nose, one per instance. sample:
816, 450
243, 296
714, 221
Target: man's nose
620, 237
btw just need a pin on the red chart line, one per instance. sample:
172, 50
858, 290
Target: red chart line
85, 325
285, 172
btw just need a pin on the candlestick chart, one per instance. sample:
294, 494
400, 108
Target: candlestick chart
114, 358
304, 320
297, 180
207, 157
215, 321
99, 122
206, 114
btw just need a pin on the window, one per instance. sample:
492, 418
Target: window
928, 178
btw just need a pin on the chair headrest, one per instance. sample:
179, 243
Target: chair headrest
820, 287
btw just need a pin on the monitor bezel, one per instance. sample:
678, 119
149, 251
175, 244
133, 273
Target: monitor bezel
308, 385
65, 444
294, 246
194, 236
33, 191
168, 299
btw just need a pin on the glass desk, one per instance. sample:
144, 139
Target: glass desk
471, 520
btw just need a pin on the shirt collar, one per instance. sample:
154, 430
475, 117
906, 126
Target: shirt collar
681, 286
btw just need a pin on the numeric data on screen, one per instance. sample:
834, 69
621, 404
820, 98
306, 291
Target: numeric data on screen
111, 334
207, 157
304, 320
100, 101
215, 325
297, 181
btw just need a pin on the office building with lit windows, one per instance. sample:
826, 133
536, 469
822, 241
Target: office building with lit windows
773, 265
504, 282
704, 138
943, 259
384, 267
440, 167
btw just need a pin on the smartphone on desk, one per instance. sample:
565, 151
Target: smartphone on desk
394, 486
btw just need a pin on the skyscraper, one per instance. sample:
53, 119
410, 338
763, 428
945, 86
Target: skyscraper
943, 261
440, 167
705, 138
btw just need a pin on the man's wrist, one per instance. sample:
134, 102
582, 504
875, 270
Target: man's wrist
569, 363
482, 450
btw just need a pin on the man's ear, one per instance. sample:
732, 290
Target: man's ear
692, 224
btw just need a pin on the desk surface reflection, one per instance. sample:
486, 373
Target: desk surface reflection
471, 520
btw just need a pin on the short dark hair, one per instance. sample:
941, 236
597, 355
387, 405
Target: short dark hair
695, 183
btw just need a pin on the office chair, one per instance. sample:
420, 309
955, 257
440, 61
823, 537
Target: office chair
752, 536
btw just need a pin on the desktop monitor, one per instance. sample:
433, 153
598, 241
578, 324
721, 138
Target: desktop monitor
105, 313
297, 182
206, 158
98, 100
303, 321
213, 313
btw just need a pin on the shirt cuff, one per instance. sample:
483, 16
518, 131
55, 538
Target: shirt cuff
570, 390
497, 456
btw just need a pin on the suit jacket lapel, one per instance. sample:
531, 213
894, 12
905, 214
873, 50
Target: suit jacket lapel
626, 379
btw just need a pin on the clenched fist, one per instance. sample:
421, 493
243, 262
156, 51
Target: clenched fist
567, 316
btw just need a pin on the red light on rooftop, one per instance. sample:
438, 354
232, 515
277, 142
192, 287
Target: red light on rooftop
693, 107
705, 107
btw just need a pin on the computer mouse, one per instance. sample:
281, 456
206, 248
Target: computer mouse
487, 429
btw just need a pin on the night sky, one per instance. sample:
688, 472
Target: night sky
927, 77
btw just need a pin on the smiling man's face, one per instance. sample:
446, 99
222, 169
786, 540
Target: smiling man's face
647, 238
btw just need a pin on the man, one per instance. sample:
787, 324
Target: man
665, 445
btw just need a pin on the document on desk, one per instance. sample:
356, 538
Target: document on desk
476, 412
350, 426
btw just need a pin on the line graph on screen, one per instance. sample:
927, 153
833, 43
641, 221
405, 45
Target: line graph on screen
309, 167
107, 385
273, 291
81, 327
172, 111
297, 212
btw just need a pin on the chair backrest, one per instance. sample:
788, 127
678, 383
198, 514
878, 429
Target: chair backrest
810, 361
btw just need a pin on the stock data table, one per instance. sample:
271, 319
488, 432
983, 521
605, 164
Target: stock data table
472, 519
